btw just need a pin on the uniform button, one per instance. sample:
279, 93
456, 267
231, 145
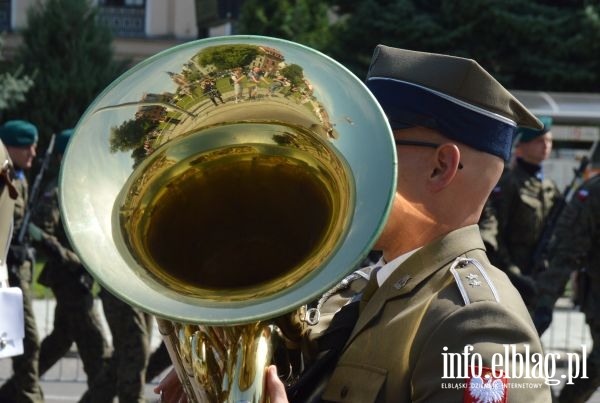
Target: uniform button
344, 392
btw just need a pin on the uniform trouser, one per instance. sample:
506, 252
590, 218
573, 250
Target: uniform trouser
75, 321
24, 384
125, 374
158, 362
583, 388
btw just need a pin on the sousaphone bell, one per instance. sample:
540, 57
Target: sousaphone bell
216, 206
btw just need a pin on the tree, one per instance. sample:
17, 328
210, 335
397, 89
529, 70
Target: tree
129, 135
294, 73
302, 21
525, 44
71, 56
13, 85
227, 57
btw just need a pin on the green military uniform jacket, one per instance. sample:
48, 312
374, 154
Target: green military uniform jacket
19, 257
63, 271
575, 245
21, 201
521, 202
394, 353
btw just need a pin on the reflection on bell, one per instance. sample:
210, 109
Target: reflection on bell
203, 222
223, 183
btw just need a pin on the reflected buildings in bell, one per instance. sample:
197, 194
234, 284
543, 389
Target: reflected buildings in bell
177, 111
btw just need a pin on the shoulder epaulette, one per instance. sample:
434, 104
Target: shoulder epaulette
473, 281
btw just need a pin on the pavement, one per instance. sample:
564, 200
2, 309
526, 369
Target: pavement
66, 381
567, 335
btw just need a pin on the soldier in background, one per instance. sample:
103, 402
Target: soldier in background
575, 246
125, 374
521, 202
20, 138
488, 226
75, 317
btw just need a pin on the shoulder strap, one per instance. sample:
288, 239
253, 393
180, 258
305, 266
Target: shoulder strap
473, 281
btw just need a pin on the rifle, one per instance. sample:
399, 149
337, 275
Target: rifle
541, 249
35, 190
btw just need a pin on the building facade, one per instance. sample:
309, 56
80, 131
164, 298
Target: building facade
141, 27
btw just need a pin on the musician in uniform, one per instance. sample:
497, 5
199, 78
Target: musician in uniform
522, 201
575, 247
76, 319
20, 138
436, 295
434, 299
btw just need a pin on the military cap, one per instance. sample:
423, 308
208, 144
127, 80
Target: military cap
525, 135
450, 94
62, 139
18, 133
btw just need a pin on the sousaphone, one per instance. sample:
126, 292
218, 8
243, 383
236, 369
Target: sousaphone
217, 210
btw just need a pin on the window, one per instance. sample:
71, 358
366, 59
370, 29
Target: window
122, 3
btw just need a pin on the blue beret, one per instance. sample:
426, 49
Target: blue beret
61, 141
18, 133
452, 95
525, 135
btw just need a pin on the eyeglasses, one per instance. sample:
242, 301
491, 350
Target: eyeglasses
421, 144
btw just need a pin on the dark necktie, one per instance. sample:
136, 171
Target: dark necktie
312, 382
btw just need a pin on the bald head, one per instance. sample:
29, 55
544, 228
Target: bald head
445, 168
442, 186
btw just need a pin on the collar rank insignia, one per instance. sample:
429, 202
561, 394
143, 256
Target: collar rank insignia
402, 282
486, 388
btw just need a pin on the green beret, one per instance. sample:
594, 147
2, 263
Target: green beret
525, 135
62, 140
18, 133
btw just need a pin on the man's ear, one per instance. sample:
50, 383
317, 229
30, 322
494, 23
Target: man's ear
445, 165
